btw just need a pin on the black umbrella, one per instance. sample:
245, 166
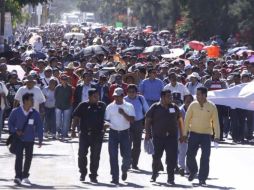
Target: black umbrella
156, 50
133, 50
95, 50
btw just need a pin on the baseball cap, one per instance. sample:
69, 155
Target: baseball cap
118, 92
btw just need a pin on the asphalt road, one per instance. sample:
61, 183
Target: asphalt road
55, 167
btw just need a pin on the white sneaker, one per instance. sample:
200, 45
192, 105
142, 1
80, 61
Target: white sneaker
26, 180
17, 181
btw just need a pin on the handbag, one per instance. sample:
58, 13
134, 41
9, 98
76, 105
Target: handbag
14, 139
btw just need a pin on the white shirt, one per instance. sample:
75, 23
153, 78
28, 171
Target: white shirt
36, 91
115, 119
180, 88
38, 46
4, 90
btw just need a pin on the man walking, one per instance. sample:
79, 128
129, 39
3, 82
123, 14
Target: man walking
162, 121
90, 115
26, 118
201, 121
120, 115
141, 107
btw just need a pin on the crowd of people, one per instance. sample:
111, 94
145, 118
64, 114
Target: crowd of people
106, 80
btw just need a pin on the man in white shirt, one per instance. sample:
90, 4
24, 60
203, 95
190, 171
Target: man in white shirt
119, 115
176, 87
3, 101
30, 87
38, 45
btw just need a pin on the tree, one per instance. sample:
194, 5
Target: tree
33, 2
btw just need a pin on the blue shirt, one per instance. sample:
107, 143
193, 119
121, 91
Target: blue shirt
138, 106
151, 89
33, 129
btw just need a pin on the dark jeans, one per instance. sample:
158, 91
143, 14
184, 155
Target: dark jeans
136, 130
117, 138
204, 141
23, 172
94, 141
222, 113
50, 120
170, 145
238, 117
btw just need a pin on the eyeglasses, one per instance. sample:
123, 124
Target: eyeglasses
131, 91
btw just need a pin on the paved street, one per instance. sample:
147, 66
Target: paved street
55, 167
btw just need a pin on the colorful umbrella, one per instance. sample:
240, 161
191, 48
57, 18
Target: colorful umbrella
196, 45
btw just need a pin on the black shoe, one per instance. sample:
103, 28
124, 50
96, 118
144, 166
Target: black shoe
181, 172
171, 182
202, 183
191, 176
154, 177
93, 180
124, 176
17, 181
82, 177
135, 167
116, 182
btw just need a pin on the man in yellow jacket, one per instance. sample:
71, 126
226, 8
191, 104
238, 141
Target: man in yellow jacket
201, 122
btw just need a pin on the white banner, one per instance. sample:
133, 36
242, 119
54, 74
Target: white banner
239, 96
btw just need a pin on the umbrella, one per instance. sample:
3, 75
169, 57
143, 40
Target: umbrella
236, 49
95, 50
18, 68
196, 45
173, 53
249, 52
158, 50
164, 32
134, 50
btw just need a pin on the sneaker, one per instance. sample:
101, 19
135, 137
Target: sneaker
124, 176
17, 181
26, 180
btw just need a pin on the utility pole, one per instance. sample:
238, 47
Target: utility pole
2, 15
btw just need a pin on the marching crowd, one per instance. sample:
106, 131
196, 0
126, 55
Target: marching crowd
70, 89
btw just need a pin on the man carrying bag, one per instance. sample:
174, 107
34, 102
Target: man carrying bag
24, 125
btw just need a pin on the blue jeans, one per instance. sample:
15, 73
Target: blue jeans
63, 121
50, 120
204, 141
116, 138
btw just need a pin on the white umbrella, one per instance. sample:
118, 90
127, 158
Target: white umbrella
174, 53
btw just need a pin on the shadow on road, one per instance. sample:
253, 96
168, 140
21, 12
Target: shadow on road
140, 171
213, 186
37, 186
160, 184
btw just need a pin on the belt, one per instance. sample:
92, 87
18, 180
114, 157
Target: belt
119, 131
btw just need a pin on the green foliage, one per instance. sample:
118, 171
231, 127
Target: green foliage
33, 2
